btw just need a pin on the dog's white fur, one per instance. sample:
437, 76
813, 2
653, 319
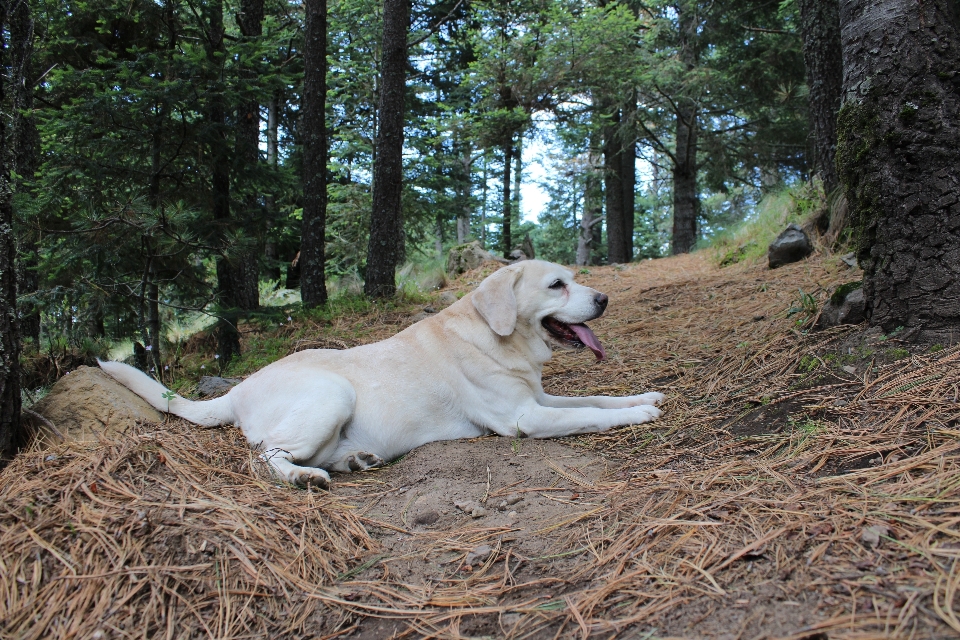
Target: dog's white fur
469, 370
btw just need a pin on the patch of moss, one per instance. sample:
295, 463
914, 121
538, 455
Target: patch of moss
843, 291
858, 137
898, 353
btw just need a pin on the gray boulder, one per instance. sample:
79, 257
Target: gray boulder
847, 306
792, 245
215, 386
468, 256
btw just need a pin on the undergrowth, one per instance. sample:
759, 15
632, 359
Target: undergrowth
749, 240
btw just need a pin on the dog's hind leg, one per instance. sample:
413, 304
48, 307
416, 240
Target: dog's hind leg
297, 437
283, 465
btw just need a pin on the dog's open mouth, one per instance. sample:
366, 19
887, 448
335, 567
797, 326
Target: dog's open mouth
575, 334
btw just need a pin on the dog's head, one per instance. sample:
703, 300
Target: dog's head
541, 298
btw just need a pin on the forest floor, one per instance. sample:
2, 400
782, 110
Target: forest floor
801, 485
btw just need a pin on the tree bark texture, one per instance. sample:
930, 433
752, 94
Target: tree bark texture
313, 283
26, 153
613, 189
386, 226
628, 177
244, 263
9, 331
228, 337
686, 197
506, 240
592, 212
823, 58
898, 155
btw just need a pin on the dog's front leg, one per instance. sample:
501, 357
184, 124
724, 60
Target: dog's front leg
601, 402
538, 421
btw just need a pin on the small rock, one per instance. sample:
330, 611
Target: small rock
471, 508
215, 386
792, 245
426, 518
847, 306
429, 310
850, 369
447, 298
850, 259
513, 498
840, 403
513, 516
502, 505
478, 555
870, 536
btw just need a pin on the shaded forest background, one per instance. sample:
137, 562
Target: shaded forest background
161, 145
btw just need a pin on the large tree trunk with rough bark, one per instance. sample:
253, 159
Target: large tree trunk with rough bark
9, 330
822, 56
613, 188
898, 155
386, 227
313, 287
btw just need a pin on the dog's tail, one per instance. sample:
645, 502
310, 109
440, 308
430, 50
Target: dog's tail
207, 413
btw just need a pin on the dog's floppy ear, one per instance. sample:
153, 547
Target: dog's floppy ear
496, 302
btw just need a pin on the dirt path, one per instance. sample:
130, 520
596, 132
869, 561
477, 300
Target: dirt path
799, 485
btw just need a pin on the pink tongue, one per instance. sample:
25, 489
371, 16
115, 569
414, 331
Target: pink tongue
587, 338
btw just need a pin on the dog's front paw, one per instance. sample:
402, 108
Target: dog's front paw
361, 461
644, 413
653, 398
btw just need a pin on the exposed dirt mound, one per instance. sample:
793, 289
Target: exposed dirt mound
87, 405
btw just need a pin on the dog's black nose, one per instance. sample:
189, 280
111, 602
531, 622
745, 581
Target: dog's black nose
601, 301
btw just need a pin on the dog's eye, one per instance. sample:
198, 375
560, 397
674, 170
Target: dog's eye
558, 284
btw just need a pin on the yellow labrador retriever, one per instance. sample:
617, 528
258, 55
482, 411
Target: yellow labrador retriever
472, 369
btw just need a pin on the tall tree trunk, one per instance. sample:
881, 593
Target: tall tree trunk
245, 263
898, 152
10, 433
386, 226
228, 337
483, 206
517, 181
506, 240
613, 189
270, 257
820, 28
26, 152
686, 197
592, 211
313, 283
628, 175
464, 187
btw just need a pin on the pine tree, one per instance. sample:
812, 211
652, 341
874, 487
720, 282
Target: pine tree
314, 142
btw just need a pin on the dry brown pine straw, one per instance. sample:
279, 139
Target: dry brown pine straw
173, 531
